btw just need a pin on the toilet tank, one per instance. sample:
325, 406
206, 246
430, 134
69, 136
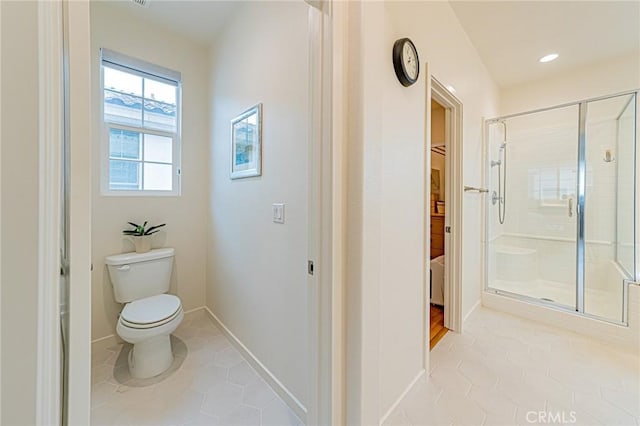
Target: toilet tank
138, 275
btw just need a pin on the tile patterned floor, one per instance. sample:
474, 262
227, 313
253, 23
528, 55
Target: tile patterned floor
504, 370
209, 383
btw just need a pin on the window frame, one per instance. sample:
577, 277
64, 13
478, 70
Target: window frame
146, 70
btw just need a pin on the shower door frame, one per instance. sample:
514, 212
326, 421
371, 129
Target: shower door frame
580, 211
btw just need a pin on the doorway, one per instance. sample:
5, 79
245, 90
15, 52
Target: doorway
318, 407
443, 211
437, 205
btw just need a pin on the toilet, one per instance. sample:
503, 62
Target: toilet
149, 316
437, 280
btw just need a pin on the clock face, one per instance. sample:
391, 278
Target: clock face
405, 62
410, 60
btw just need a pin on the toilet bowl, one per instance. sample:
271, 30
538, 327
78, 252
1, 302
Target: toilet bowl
147, 324
149, 316
437, 280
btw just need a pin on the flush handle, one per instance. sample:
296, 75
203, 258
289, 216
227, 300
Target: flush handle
124, 268
570, 207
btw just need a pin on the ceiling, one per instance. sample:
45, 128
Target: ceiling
511, 36
200, 21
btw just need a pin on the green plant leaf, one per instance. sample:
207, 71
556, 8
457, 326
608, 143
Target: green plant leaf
154, 228
139, 230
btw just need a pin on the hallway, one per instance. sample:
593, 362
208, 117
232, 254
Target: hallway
505, 370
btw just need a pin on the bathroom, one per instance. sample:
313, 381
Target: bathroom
397, 303
240, 243
240, 347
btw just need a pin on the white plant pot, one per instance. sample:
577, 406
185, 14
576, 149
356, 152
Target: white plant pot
142, 243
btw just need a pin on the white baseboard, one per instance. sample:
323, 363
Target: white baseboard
402, 396
472, 310
284, 393
105, 342
190, 312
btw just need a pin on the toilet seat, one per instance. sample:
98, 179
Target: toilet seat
151, 312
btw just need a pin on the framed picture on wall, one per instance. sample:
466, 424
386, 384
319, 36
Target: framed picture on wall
435, 182
246, 143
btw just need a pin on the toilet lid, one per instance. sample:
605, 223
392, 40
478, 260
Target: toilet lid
151, 310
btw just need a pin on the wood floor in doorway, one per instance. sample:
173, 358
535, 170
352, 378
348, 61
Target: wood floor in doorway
438, 330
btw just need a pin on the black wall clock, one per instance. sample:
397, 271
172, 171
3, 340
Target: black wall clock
405, 61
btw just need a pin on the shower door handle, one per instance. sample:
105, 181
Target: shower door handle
570, 207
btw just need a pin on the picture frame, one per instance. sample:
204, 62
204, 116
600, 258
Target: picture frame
246, 143
435, 182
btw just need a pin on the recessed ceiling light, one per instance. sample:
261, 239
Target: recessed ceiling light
549, 58
451, 89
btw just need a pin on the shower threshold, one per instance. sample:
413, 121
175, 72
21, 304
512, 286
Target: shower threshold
601, 304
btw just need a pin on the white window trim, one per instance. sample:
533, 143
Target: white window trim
136, 66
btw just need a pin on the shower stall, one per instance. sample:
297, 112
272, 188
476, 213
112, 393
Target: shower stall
561, 208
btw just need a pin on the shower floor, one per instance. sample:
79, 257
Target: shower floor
598, 302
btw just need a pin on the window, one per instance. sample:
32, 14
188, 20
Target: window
141, 116
552, 185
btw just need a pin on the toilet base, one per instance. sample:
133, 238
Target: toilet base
150, 357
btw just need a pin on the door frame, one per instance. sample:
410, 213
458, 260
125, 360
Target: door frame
78, 57
50, 119
320, 283
326, 237
57, 21
453, 213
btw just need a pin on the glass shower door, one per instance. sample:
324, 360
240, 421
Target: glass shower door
532, 216
609, 204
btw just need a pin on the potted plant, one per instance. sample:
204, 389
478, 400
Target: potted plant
141, 235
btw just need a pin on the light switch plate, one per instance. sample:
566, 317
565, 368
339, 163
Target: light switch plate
278, 213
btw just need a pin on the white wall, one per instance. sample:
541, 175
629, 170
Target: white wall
19, 211
256, 277
185, 215
599, 79
387, 274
